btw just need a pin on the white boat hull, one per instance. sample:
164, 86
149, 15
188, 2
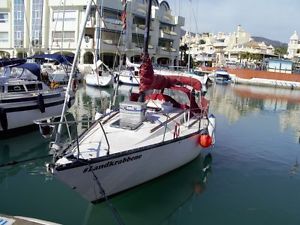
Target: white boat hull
26, 117
98, 81
119, 172
128, 78
22, 114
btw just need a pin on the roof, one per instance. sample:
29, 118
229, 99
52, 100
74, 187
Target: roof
10, 62
251, 44
294, 36
34, 68
165, 3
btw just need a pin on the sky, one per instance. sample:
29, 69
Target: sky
273, 19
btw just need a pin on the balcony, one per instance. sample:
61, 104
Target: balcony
180, 21
66, 45
140, 9
111, 45
167, 34
112, 24
140, 29
19, 44
168, 19
167, 50
172, 20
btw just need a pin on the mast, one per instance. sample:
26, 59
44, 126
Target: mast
67, 95
98, 30
147, 28
146, 66
63, 29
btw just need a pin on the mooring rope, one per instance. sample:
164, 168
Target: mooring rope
114, 211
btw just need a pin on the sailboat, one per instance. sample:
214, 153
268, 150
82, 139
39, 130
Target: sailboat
145, 137
101, 75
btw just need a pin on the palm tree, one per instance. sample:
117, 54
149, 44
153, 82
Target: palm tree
183, 49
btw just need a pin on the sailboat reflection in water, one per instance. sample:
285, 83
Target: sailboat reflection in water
162, 201
146, 137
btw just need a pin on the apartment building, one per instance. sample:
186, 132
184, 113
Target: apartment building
49, 26
220, 49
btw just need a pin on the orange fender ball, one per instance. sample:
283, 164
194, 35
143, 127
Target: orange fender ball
205, 140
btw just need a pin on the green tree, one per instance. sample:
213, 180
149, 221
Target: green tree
280, 51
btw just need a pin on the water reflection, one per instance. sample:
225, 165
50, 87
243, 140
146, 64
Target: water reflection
295, 168
158, 201
22, 152
238, 101
23, 147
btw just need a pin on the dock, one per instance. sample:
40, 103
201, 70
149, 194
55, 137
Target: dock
20, 220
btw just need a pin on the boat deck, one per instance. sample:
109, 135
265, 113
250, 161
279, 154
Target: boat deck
149, 132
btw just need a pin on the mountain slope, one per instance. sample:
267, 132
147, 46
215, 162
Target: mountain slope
274, 43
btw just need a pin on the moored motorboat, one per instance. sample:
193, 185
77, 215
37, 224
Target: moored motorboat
24, 97
56, 67
221, 77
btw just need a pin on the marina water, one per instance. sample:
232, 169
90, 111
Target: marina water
251, 176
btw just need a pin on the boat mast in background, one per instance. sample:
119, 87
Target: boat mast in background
67, 96
63, 29
145, 55
147, 28
99, 18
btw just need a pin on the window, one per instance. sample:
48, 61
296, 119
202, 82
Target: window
3, 17
70, 15
18, 35
15, 88
69, 36
33, 87
37, 14
3, 36
36, 34
19, 15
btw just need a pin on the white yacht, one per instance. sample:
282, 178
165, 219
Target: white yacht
24, 97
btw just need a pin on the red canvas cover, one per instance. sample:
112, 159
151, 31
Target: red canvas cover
149, 81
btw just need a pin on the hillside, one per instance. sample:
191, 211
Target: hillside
275, 44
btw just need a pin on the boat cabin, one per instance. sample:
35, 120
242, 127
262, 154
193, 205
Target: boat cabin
21, 78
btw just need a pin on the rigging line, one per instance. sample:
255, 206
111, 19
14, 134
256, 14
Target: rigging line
114, 211
12, 163
52, 34
63, 29
28, 29
196, 22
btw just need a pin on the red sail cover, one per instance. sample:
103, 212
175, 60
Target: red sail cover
149, 81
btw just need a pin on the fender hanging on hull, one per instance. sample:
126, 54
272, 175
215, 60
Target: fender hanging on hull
41, 103
3, 119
